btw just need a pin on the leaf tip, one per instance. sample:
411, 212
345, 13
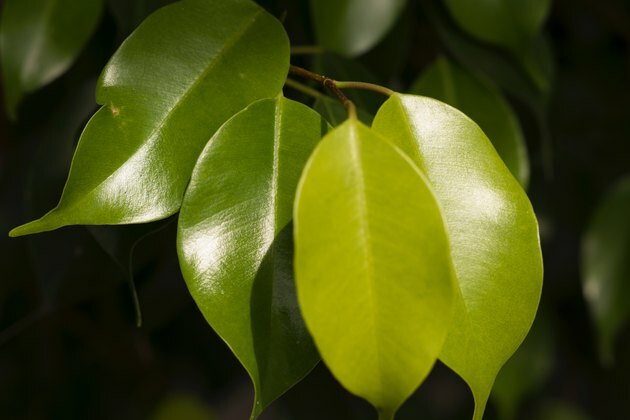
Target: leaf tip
43, 224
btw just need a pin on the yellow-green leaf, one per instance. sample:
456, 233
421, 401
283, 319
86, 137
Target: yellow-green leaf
483, 102
235, 240
372, 263
187, 69
491, 227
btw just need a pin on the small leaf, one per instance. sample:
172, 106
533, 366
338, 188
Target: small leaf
351, 27
606, 267
372, 266
482, 101
39, 41
507, 23
235, 241
173, 82
492, 231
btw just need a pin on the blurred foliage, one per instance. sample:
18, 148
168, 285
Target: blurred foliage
69, 347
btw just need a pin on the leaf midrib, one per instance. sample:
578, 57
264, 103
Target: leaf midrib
366, 241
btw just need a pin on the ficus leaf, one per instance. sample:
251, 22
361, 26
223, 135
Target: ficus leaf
372, 264
507, 23
39, 41
173, 82
492, 231
235, 240
479, 99
606, 267
351, 27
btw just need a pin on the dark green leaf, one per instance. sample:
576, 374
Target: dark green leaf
606, 267
479, 99
351, 27
335, 113
344, 69
40, 39
492, 231
373, 268
173, 82
235, 240
508, 23
500, 66
526, 371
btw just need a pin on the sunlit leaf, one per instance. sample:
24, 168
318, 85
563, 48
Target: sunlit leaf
173, 82
479, 99
373, 268
606, 267
39, 41
492, 231
508, 23
235, 240
351, 27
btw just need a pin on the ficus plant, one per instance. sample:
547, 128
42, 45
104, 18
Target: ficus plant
377, 239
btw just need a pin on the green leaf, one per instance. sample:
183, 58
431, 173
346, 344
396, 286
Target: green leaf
335, 113
235, 240
606, 267
507, 23
187, 69
492, 231
479, 99
500, 66
39, 41
351, 27
372, 265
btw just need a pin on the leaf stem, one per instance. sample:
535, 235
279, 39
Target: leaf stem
386, 414
365, 86
300, 87
329, 84
306, 50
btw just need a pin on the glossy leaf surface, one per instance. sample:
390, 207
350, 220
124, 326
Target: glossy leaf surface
40, 39
173, 82
492, 231
606, 267
508, 23
373, 268
235, 240
351, 27
482, 101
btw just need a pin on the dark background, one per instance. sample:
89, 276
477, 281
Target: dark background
69, 347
